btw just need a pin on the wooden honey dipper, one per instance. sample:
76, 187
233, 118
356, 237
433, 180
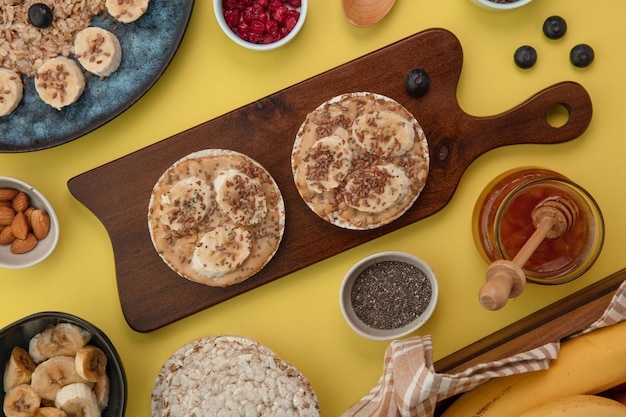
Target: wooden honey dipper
505, 279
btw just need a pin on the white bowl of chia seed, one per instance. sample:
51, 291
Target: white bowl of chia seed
388, 295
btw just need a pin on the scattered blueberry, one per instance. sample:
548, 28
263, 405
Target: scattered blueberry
40, 15
581, 55
554, 27
417, 82
525, 56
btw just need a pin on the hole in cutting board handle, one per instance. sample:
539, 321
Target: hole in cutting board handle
558, 115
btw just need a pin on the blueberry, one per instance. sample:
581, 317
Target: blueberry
554, 27
417, 82
581, 55
525, 56
40, 15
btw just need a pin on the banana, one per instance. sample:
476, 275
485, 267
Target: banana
185, 204
18, 369
383, 133
77, 400
98, 51
59, 82
50, 412
240, 196
587, 364
221, 251
53, 374
327, 164
578, 406
91, 363
102, 389
21, 401
11, 90
62, 339
126, 11
375, 189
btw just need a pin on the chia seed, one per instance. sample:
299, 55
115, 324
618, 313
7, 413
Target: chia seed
390, 294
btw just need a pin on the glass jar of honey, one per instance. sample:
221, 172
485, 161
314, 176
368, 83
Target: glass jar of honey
502, 223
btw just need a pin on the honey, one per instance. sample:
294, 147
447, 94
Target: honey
503, 223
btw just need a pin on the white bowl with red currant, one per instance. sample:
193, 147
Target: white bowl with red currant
261, 24
500, 4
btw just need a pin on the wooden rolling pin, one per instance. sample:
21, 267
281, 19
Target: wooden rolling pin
506, 279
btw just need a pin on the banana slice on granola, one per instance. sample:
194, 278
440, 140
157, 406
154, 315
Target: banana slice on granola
98, 51
11, 90
59, 82
127, 11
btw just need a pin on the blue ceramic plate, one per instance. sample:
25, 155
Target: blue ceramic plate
148, 46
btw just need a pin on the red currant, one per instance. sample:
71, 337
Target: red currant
280, 14
271, 26
232, 16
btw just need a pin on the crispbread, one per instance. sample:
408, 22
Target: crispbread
176, 248
335, 117
231, 376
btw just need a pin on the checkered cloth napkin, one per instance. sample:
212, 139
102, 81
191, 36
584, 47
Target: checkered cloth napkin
410, 387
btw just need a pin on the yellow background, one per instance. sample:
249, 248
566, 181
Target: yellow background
298, 316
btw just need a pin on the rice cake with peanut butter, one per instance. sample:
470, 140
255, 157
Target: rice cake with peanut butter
216, 217
231, 376
360, 160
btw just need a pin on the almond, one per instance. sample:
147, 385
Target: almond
20, 246
28, 212
21, 201
5, 203
7, 194
6, 215
19, 225
40, 223
6, 236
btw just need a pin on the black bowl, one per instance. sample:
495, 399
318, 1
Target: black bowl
20, 332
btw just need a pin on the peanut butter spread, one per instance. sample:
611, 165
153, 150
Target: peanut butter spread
216, 217
360, 160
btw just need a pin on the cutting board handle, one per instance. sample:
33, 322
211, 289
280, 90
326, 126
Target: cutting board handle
530, 122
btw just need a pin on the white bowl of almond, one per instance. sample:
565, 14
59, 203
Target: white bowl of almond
29, 228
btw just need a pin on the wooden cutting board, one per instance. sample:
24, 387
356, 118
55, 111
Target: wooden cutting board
118, 192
